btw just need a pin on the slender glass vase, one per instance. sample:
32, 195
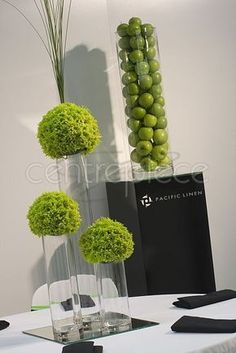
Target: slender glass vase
144, 104
114, 296
62, 286
73, 180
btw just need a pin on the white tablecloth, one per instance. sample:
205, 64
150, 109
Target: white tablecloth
156, 339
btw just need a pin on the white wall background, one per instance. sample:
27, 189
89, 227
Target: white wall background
198, 56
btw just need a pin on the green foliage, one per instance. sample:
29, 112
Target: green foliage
106, 241
68, 129
54, 213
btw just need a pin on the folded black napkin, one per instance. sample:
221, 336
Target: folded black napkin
85, 300
82, 347
203, 325
3, 324
196, 301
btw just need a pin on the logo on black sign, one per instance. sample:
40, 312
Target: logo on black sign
146, 201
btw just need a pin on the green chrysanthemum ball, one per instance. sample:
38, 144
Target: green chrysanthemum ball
106, 241
68, 129
54, 213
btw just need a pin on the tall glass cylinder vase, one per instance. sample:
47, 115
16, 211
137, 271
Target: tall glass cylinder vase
73, 180
141, 80
114, 296
62, 286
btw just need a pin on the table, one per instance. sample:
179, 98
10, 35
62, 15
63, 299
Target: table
156, 339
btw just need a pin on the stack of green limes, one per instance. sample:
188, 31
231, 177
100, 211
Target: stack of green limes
142, 91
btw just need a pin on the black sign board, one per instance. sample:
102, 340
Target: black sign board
168, 217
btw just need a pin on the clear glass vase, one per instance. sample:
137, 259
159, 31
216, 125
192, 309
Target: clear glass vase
62, 286
73, 180
114, 296
144, 104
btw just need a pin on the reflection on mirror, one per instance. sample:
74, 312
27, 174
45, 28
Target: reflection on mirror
47, 333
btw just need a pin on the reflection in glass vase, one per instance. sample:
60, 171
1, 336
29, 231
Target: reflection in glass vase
114, 296
73, 180
62, 285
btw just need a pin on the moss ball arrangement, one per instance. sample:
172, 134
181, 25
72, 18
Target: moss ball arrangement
106, 240
68, 129
54, 213
142, 90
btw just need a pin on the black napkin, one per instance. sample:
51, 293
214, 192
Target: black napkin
196, 301
82, 347
3, 324
85, 300
203, 325
79, 347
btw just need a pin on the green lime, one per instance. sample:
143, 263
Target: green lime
156, 78
150, 53
144, 148
133, 29
166, 146
137, 42
133, 139
129, 77
157, 110
142, 68
154, 65
124, 43
160, 100
135, 157
127, 66
136, 20
122, 29
133, 88
155, 91
125, 92
123, 55
160, 136
136, 56
134, 124
146, 100
161, 123
151, 41
128, 111
147, 29
138, 113
132, 101
164, 162
148, 164
145, 82
158, 153
145, 133
149, 120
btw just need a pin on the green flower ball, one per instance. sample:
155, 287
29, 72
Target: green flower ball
54, 213
68, 129
106, 241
